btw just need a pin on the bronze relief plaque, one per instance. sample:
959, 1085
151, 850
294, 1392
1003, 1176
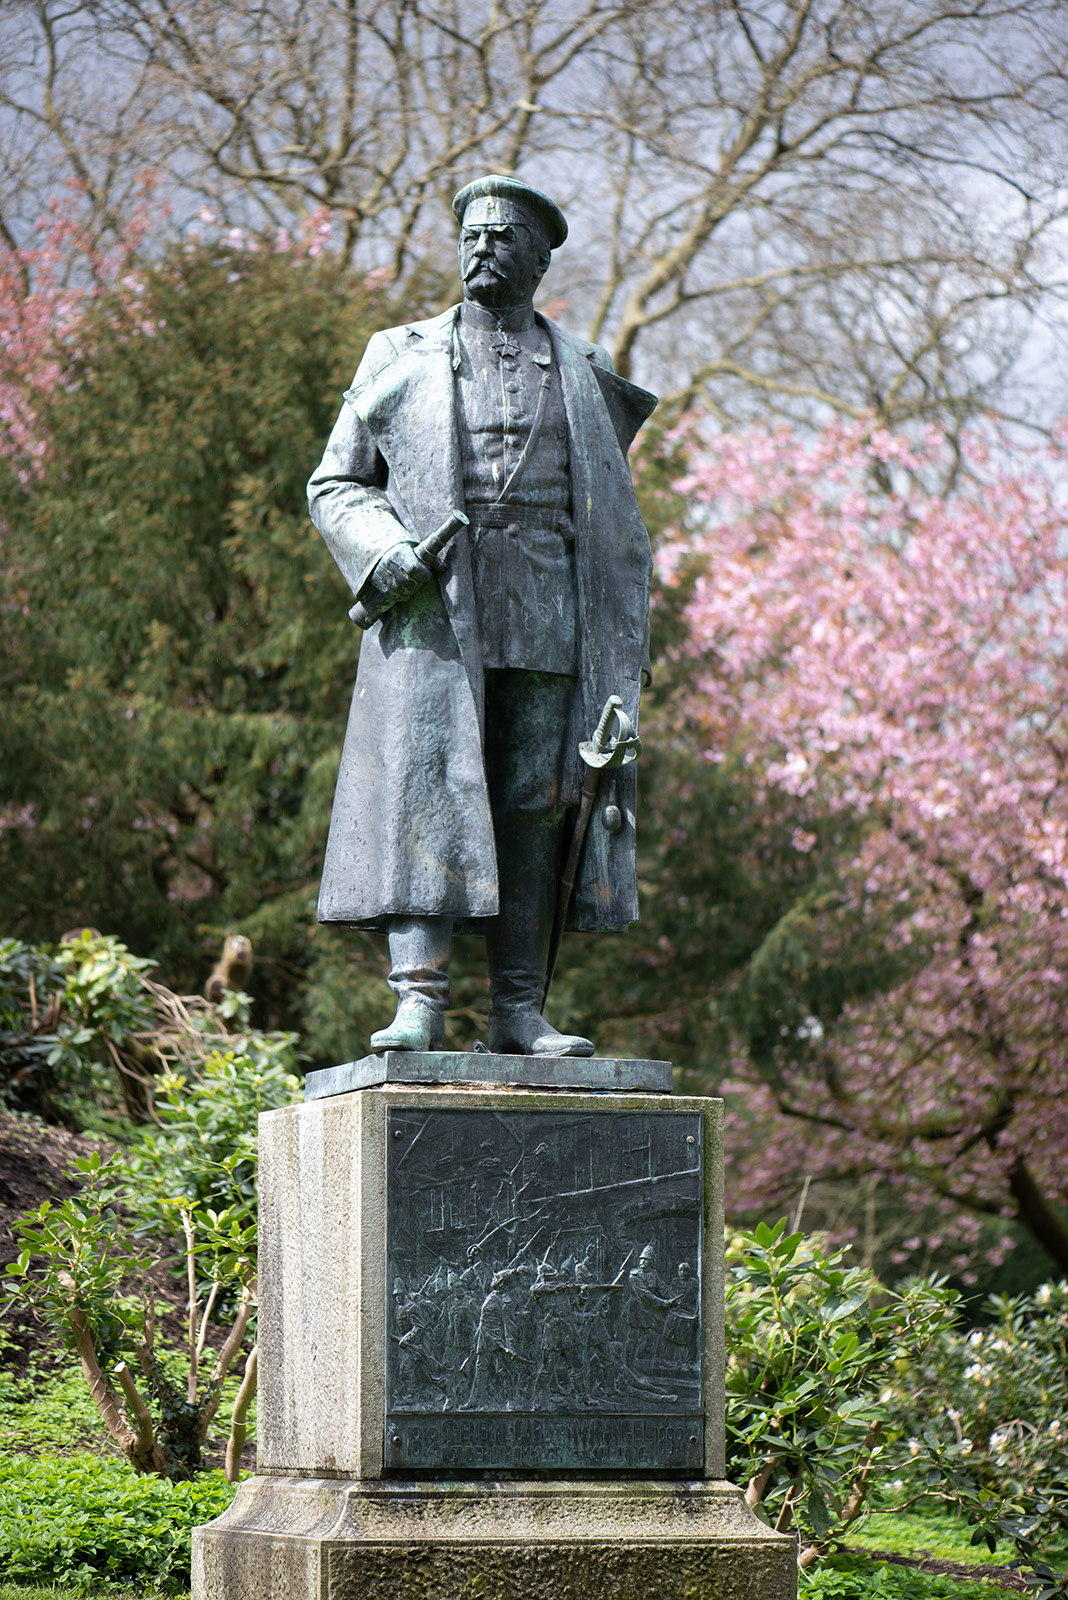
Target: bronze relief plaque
544, 1281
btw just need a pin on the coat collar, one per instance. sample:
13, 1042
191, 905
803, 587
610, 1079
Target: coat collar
431, 328
410, 407
442, 332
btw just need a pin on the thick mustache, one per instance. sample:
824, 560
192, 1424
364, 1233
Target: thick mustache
477, 266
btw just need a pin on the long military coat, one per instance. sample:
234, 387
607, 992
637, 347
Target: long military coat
411, 831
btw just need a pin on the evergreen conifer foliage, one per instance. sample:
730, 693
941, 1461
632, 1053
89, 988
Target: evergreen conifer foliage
176, 656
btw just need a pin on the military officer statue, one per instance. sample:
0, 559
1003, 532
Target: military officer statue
460, 771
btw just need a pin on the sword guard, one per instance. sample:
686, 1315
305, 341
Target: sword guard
612, 750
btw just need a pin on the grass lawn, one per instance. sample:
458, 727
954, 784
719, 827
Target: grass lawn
70, 1510
49, 1413
50, 1493
925, 1533
16, 1591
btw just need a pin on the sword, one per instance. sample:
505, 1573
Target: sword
603, 750
429, 551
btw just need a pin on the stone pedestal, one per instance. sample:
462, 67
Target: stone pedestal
336, 1539
491, 1349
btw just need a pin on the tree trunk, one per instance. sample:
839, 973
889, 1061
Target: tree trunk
145, 1452
239, 1419
1038, 1214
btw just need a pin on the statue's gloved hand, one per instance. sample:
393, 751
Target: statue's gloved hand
399, 573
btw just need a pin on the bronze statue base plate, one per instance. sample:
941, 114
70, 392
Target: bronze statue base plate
614, 1074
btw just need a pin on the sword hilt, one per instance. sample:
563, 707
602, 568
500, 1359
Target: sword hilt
599, 752
604, 750
611, 706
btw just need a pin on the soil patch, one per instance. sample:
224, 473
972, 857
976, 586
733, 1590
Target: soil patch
1004, 1577
33, 1155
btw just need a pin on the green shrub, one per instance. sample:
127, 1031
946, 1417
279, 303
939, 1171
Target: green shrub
811, 1348
188, 1181
96, 1524
202, 1147
854, 1578
841, 1394
87, 1036
988, 1411
67, 1018
87, 1272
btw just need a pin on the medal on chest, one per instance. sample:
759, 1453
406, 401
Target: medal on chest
505, 347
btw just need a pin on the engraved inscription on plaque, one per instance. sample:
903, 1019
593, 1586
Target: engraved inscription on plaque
544, 1282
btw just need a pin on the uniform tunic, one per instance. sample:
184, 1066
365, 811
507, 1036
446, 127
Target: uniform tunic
412, 826
522, 548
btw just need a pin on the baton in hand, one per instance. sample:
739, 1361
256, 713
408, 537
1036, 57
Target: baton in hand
429, 552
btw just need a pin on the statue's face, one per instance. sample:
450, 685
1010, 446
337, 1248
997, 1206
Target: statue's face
502, 254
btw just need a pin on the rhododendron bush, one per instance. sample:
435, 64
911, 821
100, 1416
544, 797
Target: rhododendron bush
893, 659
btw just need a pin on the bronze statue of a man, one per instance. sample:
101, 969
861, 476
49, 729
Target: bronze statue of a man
460, 770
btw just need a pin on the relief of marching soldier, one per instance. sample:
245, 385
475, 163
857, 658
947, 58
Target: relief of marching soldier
678, 1341
559, 1366
497, 1361
418, 1372
647, 1302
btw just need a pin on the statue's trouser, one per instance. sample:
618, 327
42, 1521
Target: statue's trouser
419, 949
527, 717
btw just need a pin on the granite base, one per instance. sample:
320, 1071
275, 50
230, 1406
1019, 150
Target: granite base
347, 1209
290, 1538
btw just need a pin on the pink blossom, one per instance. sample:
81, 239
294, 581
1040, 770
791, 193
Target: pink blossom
900, 655
45, 286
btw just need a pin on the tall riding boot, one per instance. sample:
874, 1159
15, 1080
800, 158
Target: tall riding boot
419, 950
517, 939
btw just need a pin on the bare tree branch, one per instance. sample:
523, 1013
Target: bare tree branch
801, 205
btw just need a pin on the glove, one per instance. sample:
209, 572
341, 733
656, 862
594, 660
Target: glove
399, 573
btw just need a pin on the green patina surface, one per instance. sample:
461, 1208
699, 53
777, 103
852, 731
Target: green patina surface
548, 1572
476, 1067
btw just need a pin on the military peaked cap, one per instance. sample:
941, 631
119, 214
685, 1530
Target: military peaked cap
500, 188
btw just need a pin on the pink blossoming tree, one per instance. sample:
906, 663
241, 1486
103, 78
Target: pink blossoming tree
49, 282
895, 660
